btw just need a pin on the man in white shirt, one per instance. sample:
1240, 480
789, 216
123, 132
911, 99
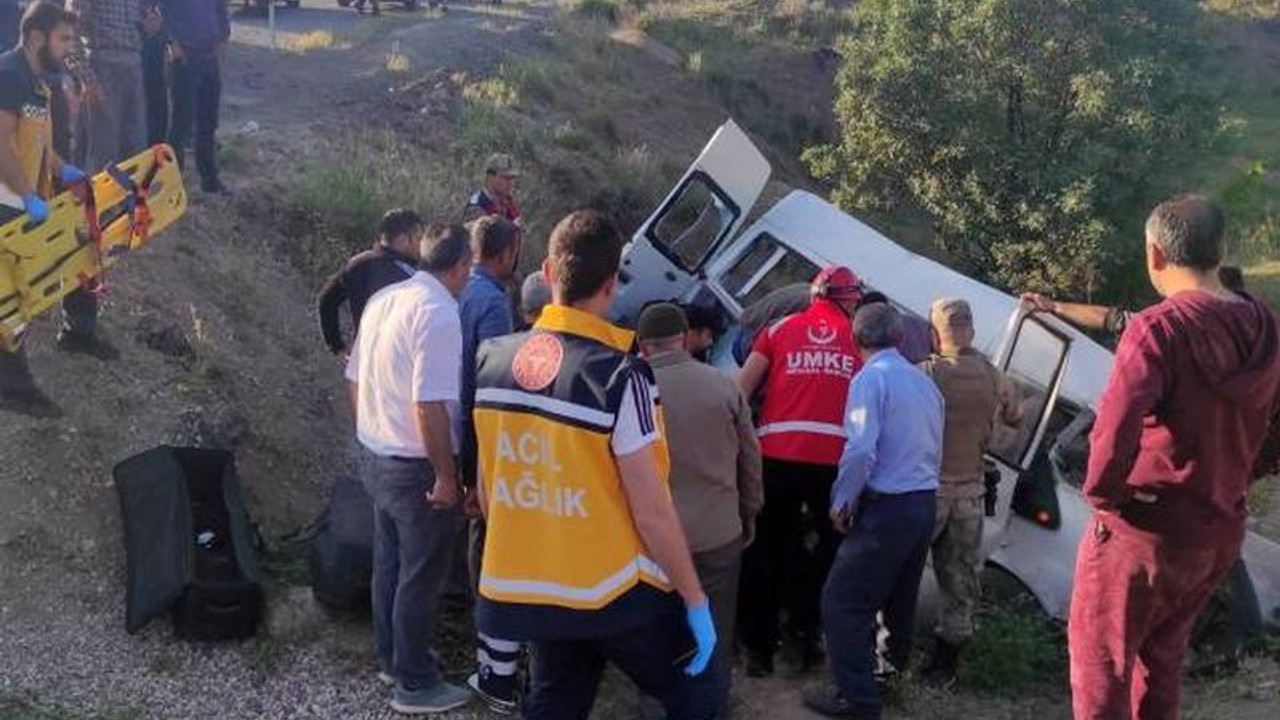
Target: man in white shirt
404, 379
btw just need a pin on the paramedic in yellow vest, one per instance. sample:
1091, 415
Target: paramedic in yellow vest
584, 546
28, 162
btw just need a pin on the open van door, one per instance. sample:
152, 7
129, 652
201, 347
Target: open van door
1036, 526
666, 257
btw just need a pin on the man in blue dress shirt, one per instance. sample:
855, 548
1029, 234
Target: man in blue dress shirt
884, 502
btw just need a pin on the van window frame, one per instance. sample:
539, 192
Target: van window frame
1023, 462
650, 231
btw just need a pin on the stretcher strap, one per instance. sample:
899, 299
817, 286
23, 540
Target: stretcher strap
138, 193
95, 284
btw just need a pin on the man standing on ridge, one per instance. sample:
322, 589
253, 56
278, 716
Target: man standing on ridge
497, 197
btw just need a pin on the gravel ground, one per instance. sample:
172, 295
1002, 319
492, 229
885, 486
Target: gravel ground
87, 662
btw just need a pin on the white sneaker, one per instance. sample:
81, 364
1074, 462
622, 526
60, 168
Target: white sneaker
385, 678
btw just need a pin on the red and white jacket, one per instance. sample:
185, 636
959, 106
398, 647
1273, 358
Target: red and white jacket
812, 357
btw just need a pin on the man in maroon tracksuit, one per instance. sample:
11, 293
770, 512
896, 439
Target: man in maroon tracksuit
1195, 387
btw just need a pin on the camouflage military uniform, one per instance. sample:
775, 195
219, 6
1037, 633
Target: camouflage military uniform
971, 387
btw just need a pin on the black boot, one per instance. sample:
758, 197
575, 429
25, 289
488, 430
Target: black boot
944, 663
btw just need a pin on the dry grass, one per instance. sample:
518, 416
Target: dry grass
314, 40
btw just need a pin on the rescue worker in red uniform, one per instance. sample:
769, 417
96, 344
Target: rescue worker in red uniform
804, 362
1195, 386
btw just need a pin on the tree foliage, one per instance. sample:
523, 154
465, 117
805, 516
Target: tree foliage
1033, 132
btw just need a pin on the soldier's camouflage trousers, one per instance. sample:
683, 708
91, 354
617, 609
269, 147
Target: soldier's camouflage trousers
957, 562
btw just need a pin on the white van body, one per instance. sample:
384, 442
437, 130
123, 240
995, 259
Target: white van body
691, 250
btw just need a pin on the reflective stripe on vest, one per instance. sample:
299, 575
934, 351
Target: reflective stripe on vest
801, 426
560, 531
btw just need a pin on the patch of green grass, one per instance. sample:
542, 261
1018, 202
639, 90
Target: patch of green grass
533, 77
1016, 649
17, 706
485, 129
605, 10
285, 561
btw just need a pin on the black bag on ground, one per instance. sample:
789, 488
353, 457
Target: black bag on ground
341, 554
188, 544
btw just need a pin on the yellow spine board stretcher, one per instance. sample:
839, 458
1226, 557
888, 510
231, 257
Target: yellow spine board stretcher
89, 228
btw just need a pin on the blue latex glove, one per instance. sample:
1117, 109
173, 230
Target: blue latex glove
37, 209
70, 174
704, 633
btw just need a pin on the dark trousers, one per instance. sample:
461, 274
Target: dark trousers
780, 569
719, 571
197, 93
876, 572
155, 88
411, 551
1134, 603
566, 673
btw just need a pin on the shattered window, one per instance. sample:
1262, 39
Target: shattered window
690, 226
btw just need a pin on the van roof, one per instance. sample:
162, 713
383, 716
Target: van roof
828, 236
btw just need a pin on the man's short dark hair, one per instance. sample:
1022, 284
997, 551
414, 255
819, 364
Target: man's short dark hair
397, 223
1231, 277
585, 249
1189, 230
873, 297
44, 16
444, 247
492, 236
701, 317
877, 326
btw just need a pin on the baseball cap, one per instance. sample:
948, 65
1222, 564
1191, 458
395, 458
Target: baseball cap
661, 320
837, 283
951, 312
501, 164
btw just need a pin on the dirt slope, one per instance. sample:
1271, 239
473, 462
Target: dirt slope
216, 328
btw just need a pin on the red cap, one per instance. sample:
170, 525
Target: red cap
837, 283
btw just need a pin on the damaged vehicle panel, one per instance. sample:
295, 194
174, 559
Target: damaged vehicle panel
689, 250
